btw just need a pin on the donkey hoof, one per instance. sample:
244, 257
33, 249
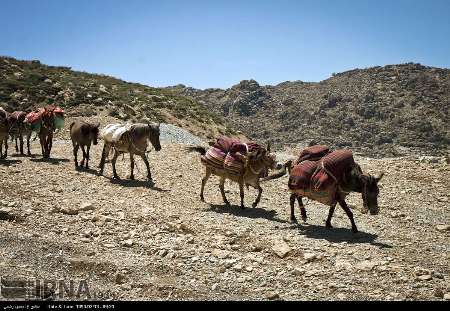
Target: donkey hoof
202, 198
254, 205
131, 177
242, 207
328, 225
293, 220
116, 177
304, 219
355, 230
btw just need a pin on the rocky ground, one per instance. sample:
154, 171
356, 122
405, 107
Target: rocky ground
134, 241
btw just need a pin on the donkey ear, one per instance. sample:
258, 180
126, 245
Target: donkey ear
378, 178
268, 146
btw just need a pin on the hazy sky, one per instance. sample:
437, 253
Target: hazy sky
217, 43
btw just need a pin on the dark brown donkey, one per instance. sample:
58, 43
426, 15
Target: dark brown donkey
18, 129
46, 132
83, 134
4, 129
354, 180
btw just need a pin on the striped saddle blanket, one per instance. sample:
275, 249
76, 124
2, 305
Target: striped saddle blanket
225, 161
318, 180
222, 155
113, 132
313, 153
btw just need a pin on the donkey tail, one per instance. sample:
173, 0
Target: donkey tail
286, 167
199, 149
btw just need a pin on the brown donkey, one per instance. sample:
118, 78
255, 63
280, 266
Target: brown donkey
46, 131
4, 130
83, 134
18, 129
133, 141
255, 163
353, 180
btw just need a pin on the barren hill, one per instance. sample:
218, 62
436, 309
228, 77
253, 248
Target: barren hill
389, 110
30, 84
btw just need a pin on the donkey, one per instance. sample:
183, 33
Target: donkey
255, 163
83, 134
354, 180
18, 129
132, 141
4, 130
46, 131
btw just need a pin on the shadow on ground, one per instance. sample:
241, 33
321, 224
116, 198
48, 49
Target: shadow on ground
8, 162
54, 161
248, 212
338, 235
137, 184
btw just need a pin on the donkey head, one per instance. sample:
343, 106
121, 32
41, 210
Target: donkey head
94, 133
153, 136
370, 193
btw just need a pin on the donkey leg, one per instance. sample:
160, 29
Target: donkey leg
330, 215
50, 143
42, 142
28, 144
21, 143
349, 213
113, 163
15, 140
88, 149
292, 203
302, 208
258, 198
222, 190
131, 166
204, 180
84, 155
149, 175
103, 159
75, 154
241, 193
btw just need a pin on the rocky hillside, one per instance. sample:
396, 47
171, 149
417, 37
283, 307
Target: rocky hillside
30, 84
389, 110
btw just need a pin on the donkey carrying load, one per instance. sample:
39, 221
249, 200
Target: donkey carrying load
129, 138
19, 127
328, 177
45, 121
239, 162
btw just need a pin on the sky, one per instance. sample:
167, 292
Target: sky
217, 43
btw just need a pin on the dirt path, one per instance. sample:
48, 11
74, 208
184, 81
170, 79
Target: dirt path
133, 241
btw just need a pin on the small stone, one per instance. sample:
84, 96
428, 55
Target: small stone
69, 211
425, 277
237, 267
120, 278
163, 252
309, 257
128, 243
272, 295
443, 228
86, 206
447, 296
214, 286
438, 293
249, 269
281, 249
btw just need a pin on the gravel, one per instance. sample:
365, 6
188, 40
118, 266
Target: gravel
173, 134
